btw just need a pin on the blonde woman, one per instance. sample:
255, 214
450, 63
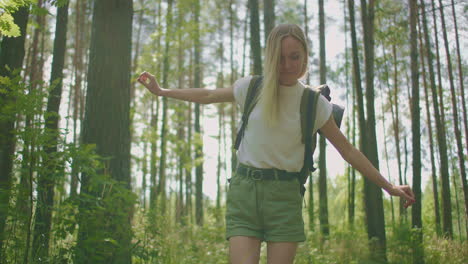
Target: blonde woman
264, 202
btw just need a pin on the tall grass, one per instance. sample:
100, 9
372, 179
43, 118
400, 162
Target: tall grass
163, 241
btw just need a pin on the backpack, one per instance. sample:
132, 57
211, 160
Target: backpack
307, 112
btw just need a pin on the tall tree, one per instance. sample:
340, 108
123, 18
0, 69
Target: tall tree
46, 181
166, 67
11, 56
199, 146
464, 118
155, 103
372, 194
430, 56
106, 124
310, 209
357, 77
76, 95
449, 231
233, 76
323, 199
438, 103
255, 46
418, 256
268, 16
462, 92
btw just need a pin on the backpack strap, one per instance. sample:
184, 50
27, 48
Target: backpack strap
250, 101
308, 115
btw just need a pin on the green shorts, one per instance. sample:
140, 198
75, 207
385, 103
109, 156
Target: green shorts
270, 210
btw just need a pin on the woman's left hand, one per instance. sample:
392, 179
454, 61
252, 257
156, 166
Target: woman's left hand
405, 192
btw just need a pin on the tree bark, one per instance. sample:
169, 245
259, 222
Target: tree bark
46, 182
106, 124
163, 148
358, 95
11, 55
268, 16
372, 194
255, 46
199, 147
447, 227
429, 55
418, 253
464, 118
323, 199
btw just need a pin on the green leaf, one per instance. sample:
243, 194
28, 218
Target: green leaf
8, 27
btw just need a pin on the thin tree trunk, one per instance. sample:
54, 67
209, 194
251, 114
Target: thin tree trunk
221, 111
323, 199
199, 147
418, 253
357, 94
268, 17
429, 55
387, 72
246, 22
188, 173
464, 118
255, 46
28, 164
233, 76
448, 229
46, 182
310, 209
464, 112
11, 55
372, 193
80, 45
153, 153
144, 170
166, 68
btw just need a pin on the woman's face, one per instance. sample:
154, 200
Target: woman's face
291, 62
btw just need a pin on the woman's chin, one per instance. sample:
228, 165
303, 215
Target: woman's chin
288, 81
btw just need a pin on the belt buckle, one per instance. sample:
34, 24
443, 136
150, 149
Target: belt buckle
256, 175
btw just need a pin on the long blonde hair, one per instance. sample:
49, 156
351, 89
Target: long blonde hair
268, 100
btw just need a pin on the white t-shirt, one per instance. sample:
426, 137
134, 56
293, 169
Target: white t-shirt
279, 146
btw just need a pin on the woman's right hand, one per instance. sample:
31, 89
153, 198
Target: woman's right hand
150, 83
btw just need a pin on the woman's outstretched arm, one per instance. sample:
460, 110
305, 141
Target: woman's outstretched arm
354, 157
196, 95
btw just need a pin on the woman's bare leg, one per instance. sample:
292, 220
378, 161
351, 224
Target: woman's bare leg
244, 250
281, 252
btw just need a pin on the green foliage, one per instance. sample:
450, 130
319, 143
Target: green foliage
8, 26
7, 8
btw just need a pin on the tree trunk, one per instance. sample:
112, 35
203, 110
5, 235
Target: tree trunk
323, 199
418, 253
464, 114
166, 68
79, 64
199, 146
446, 203
460, 77
384, 127
372, 193
153, 155
429, 55
46, 182
255, 46
232, 80
455, 107
268, 16
357, 82
106, 124
310, 209
11, 55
